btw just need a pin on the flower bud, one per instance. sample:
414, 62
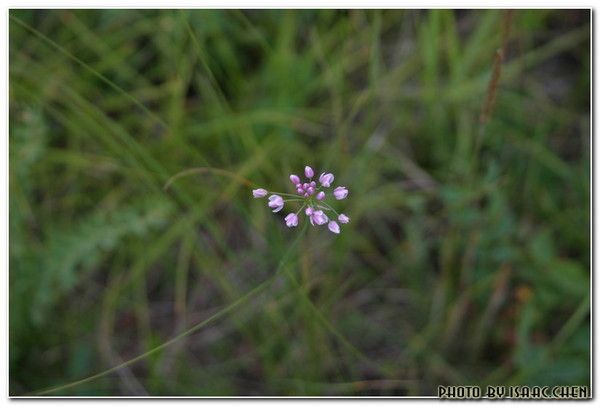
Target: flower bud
276, 203
291, 220
326, 179
333, 227
308, 171
259, 193
340, 192
319, 218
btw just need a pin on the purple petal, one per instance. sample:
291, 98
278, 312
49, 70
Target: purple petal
275, 202
319, 217
340, 192
326, 179
333, 227
259, 193
291, 220
343, 218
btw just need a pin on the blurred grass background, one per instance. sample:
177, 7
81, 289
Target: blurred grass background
467, 261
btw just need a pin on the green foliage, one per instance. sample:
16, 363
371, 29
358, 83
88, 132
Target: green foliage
467, 259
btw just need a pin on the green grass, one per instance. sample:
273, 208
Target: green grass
467, 260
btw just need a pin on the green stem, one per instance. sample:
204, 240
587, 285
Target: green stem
328, 207
283, 194
301, 207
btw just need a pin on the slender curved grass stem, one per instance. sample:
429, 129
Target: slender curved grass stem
359, 354
221, 313
206, 169
91, 70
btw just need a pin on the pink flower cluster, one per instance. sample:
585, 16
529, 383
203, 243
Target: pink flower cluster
312, 199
